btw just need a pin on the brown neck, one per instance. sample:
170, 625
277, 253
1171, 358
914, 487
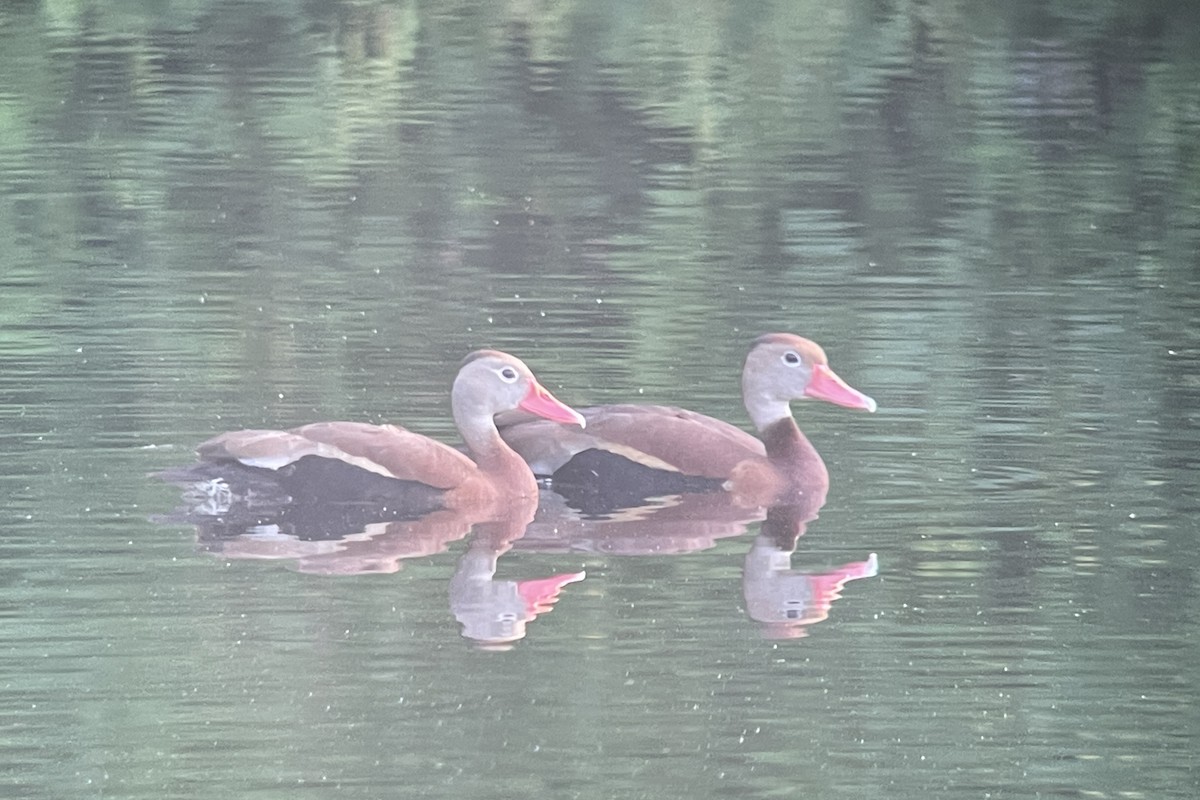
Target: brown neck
506, 470
785, 443
793, 456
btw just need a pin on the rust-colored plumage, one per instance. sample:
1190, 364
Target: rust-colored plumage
488, 383
662, 445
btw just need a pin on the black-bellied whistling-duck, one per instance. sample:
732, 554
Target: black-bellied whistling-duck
357, 463
649, 450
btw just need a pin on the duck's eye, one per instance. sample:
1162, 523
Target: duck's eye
508, 375
791, 358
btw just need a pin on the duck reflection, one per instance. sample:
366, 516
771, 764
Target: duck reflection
363, 537
668, 525
494, 613
378, 547
783, 600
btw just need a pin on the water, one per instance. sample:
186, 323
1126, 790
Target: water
244, 215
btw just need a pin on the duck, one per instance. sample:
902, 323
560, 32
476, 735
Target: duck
387, 466
646, 450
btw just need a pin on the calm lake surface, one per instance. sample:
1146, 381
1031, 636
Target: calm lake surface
221, 215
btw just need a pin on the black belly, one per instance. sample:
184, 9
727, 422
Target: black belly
313, 498
598, 482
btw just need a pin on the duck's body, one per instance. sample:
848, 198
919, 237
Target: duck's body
661, 449
358, 462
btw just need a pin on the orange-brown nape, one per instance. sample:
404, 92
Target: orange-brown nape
645, 450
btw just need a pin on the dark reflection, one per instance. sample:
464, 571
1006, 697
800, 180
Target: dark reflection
668, 525
376, 547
